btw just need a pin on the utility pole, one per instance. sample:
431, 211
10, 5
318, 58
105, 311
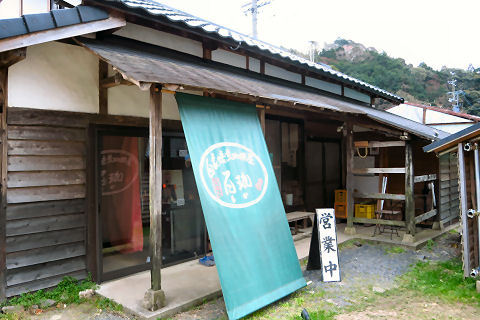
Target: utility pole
454, 94
313, 50
252, 8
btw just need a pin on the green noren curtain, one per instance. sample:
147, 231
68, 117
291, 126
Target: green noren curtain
251, 241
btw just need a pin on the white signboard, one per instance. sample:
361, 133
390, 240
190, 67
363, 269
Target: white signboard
327, 235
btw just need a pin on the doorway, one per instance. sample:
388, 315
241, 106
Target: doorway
123, 202
323, 166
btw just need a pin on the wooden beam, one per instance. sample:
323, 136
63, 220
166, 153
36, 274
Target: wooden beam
462, 179
425, 216
348, 136
425, 178
3, 180
380, 221
30, 39
156, 186
114, 81
261, 116
380, 144
379, 196
378, 170
409, 190
102, 91
11, 57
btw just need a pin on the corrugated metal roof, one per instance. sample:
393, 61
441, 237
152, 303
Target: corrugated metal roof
453, 139
49, 20
143, 65
157, 9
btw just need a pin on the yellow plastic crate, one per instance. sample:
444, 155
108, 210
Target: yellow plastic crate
340, 196
365, 211
340, 210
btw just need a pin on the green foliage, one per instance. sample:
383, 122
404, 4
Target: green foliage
420, 84
107, 304
443, 280
395, 250
319, 315
429, 245
65, 292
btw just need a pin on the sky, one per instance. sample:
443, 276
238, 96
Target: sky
437, 32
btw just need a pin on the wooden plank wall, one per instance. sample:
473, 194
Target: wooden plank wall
449, 194
46, 220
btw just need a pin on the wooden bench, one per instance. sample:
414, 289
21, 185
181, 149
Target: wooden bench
299, 215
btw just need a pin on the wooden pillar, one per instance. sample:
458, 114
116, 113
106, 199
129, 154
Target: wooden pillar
463, 210
409, 198
155, 297
261, 116
3, 178
102, 91
349, 153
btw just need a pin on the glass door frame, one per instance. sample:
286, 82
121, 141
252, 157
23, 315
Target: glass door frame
100, 131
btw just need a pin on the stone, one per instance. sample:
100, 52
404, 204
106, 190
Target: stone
85, 294
350, 231
13, 309
408, 238
478, 286
378, 290
153, 300
47, 303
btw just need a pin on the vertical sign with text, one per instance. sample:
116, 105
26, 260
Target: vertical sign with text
327, 234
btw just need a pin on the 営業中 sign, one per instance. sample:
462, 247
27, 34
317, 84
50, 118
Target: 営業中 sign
327, 234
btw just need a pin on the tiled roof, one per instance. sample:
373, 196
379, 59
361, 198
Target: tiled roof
30, 23
153, 8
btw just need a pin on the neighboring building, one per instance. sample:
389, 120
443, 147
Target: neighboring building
461, 149
435, 117
77, 83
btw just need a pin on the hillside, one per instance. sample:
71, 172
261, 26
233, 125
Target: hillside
420, 84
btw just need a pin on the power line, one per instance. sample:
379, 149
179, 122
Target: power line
252, 8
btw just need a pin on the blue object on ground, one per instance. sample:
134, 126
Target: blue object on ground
208, 261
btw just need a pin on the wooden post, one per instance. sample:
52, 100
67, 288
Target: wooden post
463, 210
409, 199
102, 91
349, 152
154, 297
261, 116
3, 178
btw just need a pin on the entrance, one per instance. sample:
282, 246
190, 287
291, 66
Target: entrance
323, 167
124, 215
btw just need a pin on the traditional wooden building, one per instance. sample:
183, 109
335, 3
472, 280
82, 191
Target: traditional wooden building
88, 113
461, 151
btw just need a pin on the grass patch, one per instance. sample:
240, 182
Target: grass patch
65, 292
429, 245
443, 280
108, 304
395, 250
319, 315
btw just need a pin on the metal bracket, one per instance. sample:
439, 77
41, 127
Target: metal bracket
472, 213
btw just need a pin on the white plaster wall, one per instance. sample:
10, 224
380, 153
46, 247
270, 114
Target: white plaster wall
365, 184
9, 9
55, 76
254, 64
354, 94
159, 38
230, 58
281, 73
323, 85
131, 101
